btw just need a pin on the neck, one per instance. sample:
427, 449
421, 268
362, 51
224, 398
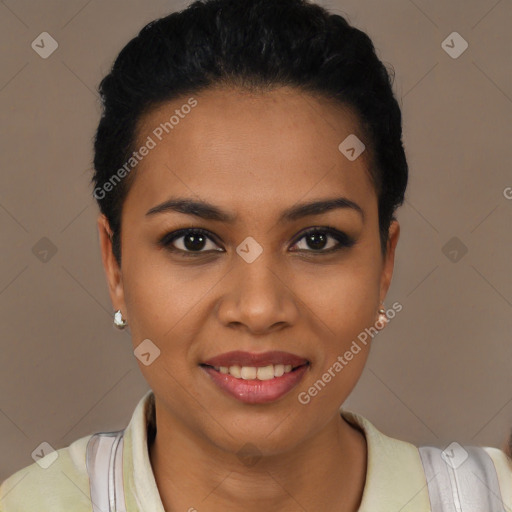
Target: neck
326, 472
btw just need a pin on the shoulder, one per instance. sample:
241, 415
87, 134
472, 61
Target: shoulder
503, 464
57, 482
400, 472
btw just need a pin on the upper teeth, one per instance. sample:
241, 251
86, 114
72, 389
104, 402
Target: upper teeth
252, 372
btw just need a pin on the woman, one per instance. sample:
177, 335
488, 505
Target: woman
248, 165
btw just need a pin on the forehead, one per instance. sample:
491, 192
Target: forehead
249, 150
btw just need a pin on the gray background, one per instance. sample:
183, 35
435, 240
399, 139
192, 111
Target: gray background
441, 369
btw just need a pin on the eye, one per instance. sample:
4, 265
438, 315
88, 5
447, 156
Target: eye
317, 238
194, 241
189, 241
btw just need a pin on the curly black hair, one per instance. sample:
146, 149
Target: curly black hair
257, 45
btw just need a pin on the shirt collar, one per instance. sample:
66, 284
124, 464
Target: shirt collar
394, 478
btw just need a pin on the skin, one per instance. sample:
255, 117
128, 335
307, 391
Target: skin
230, 151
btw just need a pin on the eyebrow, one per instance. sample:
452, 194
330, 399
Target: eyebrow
208, 211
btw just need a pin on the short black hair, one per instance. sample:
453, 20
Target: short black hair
257, 45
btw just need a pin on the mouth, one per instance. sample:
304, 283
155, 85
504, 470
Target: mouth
261, 373
257, 384
255, 360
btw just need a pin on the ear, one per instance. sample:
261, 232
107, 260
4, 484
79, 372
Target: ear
387, 269
112, 269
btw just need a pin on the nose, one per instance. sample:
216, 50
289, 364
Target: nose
258, 298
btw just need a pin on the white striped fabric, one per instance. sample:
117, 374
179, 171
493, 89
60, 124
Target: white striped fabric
468, 485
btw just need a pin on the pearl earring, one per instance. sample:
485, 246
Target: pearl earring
119, 321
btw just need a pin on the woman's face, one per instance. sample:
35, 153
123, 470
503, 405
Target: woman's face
256, 282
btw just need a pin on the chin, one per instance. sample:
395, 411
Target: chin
264, 433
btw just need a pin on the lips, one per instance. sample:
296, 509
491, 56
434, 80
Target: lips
241, 358
256, 391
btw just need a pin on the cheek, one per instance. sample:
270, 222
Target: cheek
344, 302
158, 294
344, 313
163, 307
344, 297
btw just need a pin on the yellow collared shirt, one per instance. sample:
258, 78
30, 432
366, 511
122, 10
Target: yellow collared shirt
395, 480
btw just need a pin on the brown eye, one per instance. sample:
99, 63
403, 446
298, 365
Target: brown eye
189, 241
317, 240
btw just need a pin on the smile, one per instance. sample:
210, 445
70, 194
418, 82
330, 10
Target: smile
256, 385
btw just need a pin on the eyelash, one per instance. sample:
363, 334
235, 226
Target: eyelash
344, 241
